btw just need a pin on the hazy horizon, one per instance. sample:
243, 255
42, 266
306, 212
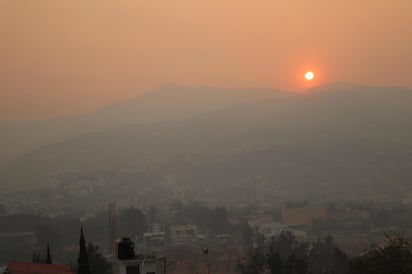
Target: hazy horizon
166, 86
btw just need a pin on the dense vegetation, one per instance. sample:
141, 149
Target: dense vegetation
285, 255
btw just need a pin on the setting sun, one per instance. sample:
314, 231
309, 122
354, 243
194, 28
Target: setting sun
309, 75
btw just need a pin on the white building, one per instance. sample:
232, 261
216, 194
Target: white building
141, 265
270, 230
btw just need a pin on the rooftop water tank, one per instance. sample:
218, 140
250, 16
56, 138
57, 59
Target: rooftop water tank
125, 249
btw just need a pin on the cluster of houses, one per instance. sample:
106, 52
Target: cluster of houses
295, 219
158, 235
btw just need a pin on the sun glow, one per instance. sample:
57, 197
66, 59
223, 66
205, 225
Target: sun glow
309, 75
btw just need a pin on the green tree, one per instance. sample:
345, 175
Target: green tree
246, 234
48, 258
286, 255
132, 222
83, 266
98, 263
284, 244
254, 264
394, 256
326, 257
152, 214
219, 221
36, 258
274, 261
294, 265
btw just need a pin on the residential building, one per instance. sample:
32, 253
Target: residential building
156, 235
183, 233
270, 230
301, 216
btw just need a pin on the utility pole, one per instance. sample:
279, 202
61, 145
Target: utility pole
112, 233
206, 252
208, 265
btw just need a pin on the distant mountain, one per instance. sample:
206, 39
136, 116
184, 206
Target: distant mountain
335, 127
170, 103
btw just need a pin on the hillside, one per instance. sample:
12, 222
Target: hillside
170, 103
329, 136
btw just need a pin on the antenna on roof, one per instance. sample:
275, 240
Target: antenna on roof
112, 231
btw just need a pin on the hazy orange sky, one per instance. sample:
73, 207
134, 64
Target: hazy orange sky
69, 57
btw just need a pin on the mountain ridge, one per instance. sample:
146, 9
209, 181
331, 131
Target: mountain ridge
22, 137
379, 119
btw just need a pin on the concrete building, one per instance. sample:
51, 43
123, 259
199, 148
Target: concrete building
302, 216
270, 230
256, 220
183, 233
156, 235
140, 265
